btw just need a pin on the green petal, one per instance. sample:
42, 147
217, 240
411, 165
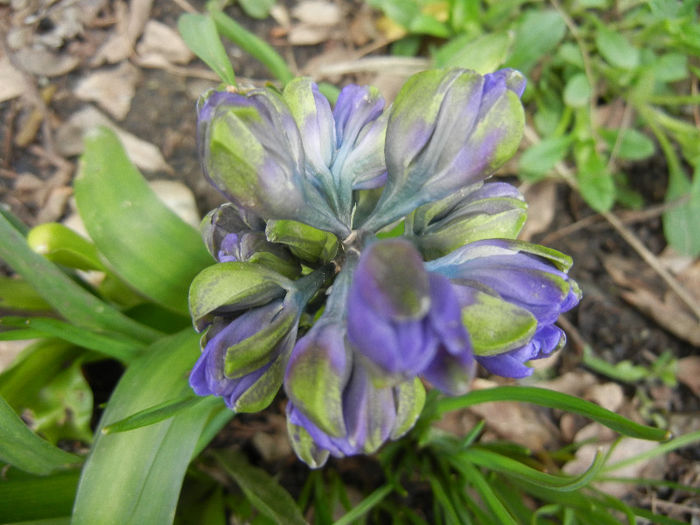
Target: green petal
236, 284
497, 326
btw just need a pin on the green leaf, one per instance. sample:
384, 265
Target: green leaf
18, 294
34, 368
595, 181
490, 498
257, 8
537, 161
25, 450
108, 345
615, 48
365, 506
633, 145
143, 468
62, 245
156, 414
670, 67
682, 222
537, 34
75, 304
200, 35
484, 54
577, 92
261, 489
513, 468
252, 45
552, 399
38, 498
497, 326
148, 246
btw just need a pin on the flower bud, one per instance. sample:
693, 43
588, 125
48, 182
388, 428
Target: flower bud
399, 315
251, 150
511, 294
447, 129
482, 211
232, 286
256, 389
372, 415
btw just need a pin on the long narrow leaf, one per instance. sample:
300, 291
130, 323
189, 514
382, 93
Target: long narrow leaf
664, 448
511, 467
156, 414
110, 346
73, 302
25, 450
263, 492
365, 506
252, 45
552, 399
143, 468
148, 246
38, 498
200, 35
488, 496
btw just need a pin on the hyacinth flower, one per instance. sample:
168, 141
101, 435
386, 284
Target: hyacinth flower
335, 408
511, 293
310, 188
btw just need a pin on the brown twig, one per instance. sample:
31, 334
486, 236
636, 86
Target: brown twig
185, 6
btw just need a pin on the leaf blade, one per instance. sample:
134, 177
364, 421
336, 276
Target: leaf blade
148, 246
200, 34
23, 449
144, 468
553, 399
73, 302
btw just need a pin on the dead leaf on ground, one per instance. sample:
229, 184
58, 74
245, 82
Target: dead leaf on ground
130, 24
42, 62
406, 66
161, 46
69, 140
112, 89
645, 293
608, 395
388, 84
12, 81
574, 383
519, 422
317, 13
541, 199
689, 373
178, 198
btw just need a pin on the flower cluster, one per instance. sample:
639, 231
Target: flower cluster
302, 248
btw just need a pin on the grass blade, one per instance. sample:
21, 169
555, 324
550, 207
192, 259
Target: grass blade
263, 491
552, 399
200, 35
252, 45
